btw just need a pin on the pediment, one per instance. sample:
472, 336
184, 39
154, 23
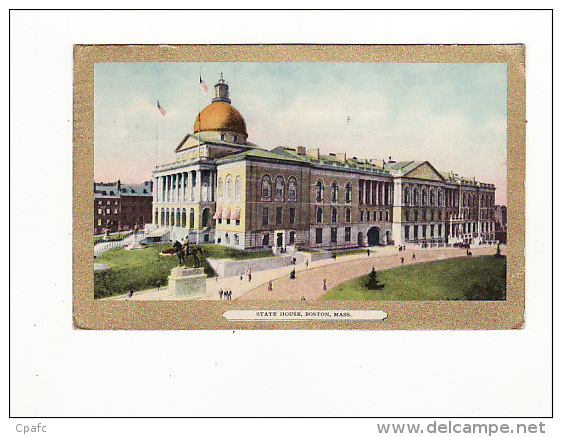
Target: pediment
425, 171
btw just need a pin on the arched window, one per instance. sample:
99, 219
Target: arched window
406, 196
156, 216
334, 215
265, 241
318, 215
172, 217
237, 189
292, 188
178, 217
183, 217
266, 187
162, 217
334, 191
228, 188
279, 188
416, 197
432, 198
424, 196
191, 218
439, 198
222, 137
205, 218
348, 215
464, 199
416, 215
319, 190
219, 189
348, 192
236, 239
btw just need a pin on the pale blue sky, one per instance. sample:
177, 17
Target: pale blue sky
452, 115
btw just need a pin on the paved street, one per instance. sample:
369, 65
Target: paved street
309, 281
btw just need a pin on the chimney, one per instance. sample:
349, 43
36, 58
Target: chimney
341, 157
301, 150
313, 153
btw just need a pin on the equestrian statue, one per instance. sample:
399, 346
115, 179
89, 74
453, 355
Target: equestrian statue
183, 251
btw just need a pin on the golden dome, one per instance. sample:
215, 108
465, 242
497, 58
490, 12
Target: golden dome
220, 116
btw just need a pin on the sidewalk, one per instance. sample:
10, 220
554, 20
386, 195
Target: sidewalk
309, 280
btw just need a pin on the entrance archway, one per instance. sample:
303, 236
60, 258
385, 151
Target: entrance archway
373, 237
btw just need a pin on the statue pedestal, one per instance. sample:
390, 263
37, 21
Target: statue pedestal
185, 282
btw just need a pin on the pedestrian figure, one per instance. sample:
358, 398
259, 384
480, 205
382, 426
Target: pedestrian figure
325, 287
229, 294
368, 252
220, 294
131, 293
401, 260
293, 274
303, 298
306, 263
241, 277
270, 286
334, 256
413, 256
249, 275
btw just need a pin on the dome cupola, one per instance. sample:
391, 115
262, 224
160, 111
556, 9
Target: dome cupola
220, 116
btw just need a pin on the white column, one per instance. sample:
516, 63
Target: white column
183, 184
198, 185
155, 191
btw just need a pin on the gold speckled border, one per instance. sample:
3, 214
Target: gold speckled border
421, 315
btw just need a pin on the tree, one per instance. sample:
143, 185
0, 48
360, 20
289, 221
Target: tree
373, 282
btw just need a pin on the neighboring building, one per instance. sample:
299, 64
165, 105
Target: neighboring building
121, 207
501, 223
226, 190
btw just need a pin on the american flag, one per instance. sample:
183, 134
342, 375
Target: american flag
203, 85
160, 108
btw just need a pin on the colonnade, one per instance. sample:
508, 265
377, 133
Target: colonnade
375, 193
191, 186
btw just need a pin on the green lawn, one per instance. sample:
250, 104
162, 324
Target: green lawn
115, 237
214, 251
145, 269
478, 278
138, 269
352, 252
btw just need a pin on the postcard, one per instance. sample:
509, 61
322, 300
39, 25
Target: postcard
299, 187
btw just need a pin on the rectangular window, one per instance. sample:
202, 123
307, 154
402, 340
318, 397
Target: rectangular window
265, 216
424, 231
361, 216
279, 215
380, 216
227, 221
368, 215
387, 215
292, 216
347, 234
220, 221
99, 222
415, 232
334, 235
99, 211
108, 211
406, 232
318, 235
439, 230
432, 231
237, 222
